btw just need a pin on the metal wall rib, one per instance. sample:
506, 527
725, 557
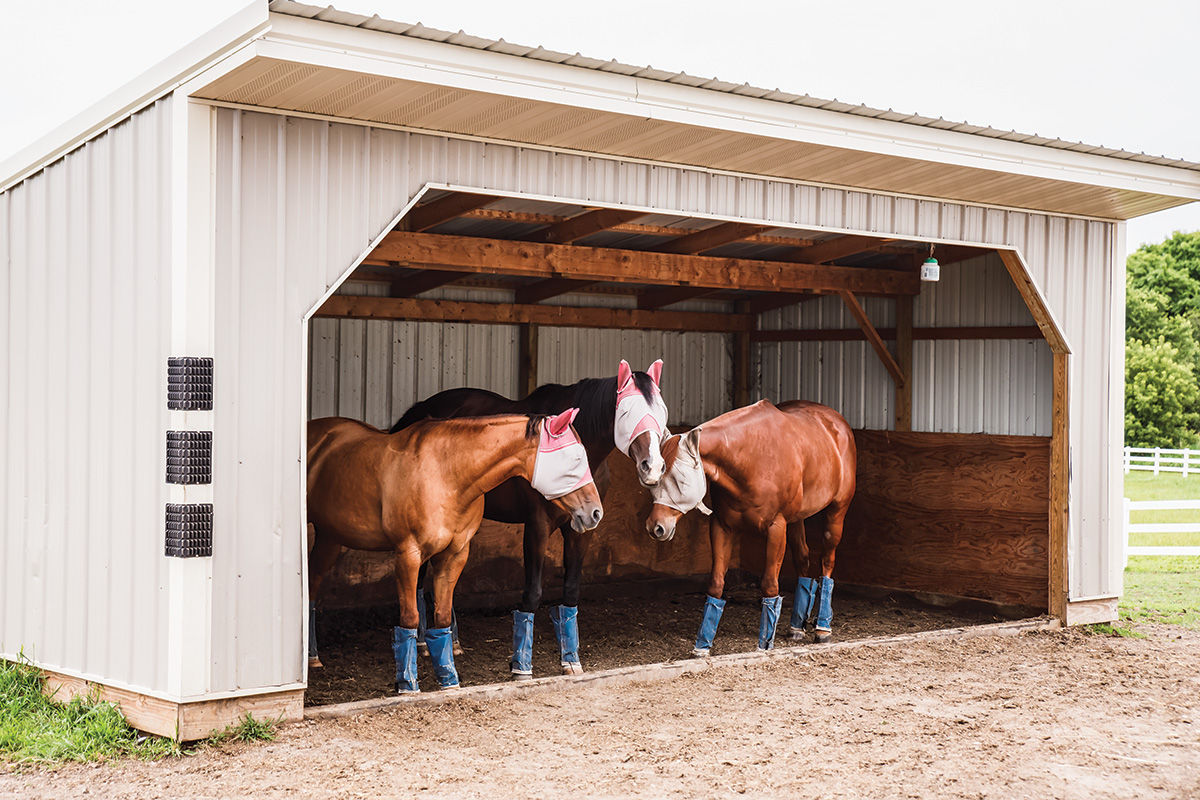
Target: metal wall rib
298, 200
84, 293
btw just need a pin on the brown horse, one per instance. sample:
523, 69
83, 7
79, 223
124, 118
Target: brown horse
766, 468
419, 493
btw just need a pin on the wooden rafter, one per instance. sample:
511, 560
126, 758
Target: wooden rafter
497, 256
833, 249
550, 287
585, 224
710, 238
864, 322
403, 308
769, 301
657, 298
424, 217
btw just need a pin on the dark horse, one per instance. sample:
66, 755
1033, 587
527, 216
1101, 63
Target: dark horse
626, 412
419, 494
766, 469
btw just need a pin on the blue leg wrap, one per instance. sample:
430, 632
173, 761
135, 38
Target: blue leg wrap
522, 654
825, 607
806, 593
713, 608
566, 629
767, 621
404, 646
312, 629
440, 650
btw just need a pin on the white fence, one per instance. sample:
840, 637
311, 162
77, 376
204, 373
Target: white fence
1158, 459
1160, 527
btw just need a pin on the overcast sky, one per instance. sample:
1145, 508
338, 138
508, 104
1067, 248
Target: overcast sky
1118, 74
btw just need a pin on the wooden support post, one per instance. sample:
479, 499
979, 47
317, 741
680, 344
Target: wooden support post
527, 358
904, 341
741, 369
1060, 473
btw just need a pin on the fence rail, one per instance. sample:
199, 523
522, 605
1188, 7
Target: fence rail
1160, 527
1159, 459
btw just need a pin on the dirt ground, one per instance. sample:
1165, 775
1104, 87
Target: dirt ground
1057, 714
640, 626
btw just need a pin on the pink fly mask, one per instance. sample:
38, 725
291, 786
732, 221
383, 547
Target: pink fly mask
561, 465
636, 414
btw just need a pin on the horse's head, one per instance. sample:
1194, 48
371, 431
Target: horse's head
561, 472
641, 420
682, 487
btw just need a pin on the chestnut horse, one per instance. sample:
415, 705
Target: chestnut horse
420, 494
626, 412
766, 468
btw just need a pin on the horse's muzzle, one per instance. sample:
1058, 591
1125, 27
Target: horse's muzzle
660, 532
650, 473
587, 519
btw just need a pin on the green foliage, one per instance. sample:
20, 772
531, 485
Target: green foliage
1105, 629
1162, 337
247, 729
1163, 589
35, 730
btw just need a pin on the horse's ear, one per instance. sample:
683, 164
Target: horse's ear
559, 423
624, 374
691, 443
655, 372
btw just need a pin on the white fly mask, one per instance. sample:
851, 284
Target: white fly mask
561, 465
636, 414
683, 486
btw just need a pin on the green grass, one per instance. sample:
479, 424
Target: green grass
37, 731
1163, 588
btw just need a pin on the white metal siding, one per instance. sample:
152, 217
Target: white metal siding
85, 296
299, 200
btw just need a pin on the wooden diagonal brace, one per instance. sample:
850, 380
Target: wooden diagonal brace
872, 336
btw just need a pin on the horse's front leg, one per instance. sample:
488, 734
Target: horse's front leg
324, 554
776, 534
537, 533
721, 540
404, 636
835, 517
447, 568
566, 616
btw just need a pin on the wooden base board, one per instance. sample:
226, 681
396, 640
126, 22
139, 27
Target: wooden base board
184, 721
1090, 612
669, 669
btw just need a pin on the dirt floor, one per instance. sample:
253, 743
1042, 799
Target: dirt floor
620, 630
1057, 714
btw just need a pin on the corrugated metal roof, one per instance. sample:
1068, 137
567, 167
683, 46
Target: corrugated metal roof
419, 31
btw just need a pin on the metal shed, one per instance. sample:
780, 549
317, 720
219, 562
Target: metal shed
311, 212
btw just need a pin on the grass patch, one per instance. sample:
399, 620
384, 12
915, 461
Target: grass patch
1106, 629
1162, 589
35, 730
247, 729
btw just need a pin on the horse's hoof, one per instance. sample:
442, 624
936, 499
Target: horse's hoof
422, 648
700, 653
400, 690
314, 663
450, 688
522, 676
458, 651
824, 637
572, 668
797, 634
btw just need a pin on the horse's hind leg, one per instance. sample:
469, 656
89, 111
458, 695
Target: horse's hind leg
776, 535
835, 517
321, 559
806, 587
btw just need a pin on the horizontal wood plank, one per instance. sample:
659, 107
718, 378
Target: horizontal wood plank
1017, 332
498, 256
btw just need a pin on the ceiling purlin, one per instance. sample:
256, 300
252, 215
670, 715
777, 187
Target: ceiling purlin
711, 238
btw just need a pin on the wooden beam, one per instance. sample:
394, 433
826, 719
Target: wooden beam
904, 352
441, 210
710, 238
1033, 301
527, 358
833, 249
423, 281
586, 224
550, 287
872, 336
1000, 332
1060, 489
498, 256
657, 298
742, 373
401, 308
